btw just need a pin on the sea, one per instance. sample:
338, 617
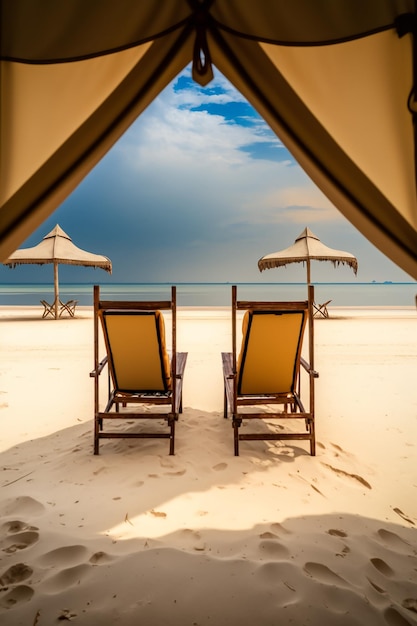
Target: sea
373, 294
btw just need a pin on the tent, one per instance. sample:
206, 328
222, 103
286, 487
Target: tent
334, 79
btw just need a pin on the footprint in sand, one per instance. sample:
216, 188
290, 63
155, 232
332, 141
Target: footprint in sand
19, 541
178, 473
15, 574
16, 526
324, 574
273, 549
99, 470
410, 604
219, 467
393, 541
279, 528
23, 505
166, 462
99, 558
61, 557
19, 594
268, 535
395, 618
335, 532
274, 573
193, 539
66, 578
382, 567
376, 587
189, 532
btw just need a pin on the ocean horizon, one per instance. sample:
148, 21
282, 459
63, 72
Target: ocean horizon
383, 294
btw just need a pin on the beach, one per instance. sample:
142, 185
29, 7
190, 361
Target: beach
274, 536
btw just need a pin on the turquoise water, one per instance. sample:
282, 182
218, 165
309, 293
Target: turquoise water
217, 294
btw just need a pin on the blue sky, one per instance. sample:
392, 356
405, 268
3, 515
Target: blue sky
197, 190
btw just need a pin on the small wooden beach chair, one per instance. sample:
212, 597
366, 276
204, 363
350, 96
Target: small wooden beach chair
267, 371
320, 310
67, 307
48, 309
141, 373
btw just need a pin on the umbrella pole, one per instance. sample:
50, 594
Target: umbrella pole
308, 272
56, 289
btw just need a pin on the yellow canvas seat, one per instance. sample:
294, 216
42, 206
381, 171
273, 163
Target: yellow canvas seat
267, 370
140, 370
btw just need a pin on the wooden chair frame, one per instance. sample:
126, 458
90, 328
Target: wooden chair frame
172, 398
67, 307
293, 407
48, 309
321, 309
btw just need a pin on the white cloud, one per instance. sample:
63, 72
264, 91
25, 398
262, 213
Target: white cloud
169, 132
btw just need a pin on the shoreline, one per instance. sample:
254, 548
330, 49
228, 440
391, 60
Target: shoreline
87, 307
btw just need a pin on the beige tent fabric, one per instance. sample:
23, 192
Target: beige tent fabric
333, 81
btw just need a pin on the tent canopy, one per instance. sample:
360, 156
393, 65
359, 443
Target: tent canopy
334, 80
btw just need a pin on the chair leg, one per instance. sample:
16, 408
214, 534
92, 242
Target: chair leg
225, 404
171, 422
236, 423
96, 435
313, 439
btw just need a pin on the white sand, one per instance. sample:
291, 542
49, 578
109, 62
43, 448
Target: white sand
135, 536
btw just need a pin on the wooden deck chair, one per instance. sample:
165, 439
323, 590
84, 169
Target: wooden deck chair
48, 309
321, 309
67, 307
140, 370
267, 371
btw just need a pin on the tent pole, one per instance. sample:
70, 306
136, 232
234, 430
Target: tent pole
56, 289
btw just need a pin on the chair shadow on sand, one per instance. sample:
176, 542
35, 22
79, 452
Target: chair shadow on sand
368, 564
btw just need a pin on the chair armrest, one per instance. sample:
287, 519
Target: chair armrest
229, 381
227, 361
181, 359
308, 368
100, 368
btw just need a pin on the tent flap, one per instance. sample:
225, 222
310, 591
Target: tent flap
335, 81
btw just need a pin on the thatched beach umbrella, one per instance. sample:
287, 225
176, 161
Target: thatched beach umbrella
307, 247
56, 248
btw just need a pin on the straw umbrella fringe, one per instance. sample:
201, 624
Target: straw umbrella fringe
307, 247
55, 248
